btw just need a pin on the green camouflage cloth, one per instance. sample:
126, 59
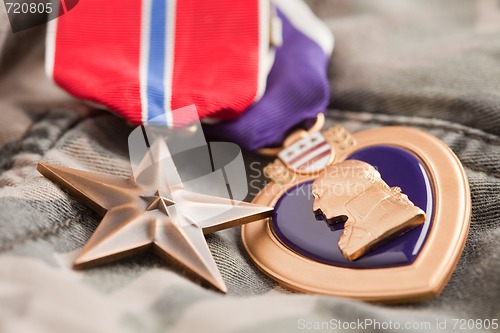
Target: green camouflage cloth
433, 65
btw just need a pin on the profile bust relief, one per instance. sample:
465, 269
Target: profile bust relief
374, 213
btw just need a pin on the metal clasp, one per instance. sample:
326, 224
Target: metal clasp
294, 136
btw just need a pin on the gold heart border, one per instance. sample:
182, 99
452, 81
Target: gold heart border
424, 279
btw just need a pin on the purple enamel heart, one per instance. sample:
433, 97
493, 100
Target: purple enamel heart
298, 228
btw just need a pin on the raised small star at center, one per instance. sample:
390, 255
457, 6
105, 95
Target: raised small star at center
157, 201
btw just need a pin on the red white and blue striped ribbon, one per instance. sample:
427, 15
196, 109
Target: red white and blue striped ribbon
143, 59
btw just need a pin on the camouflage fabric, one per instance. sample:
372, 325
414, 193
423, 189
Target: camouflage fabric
433, 65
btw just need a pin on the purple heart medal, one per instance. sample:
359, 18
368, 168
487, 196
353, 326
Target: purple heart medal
380, 215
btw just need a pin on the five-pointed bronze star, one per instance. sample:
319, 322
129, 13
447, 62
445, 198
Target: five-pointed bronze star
154, 211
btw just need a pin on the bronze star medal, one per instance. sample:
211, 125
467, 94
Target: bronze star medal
152, 211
